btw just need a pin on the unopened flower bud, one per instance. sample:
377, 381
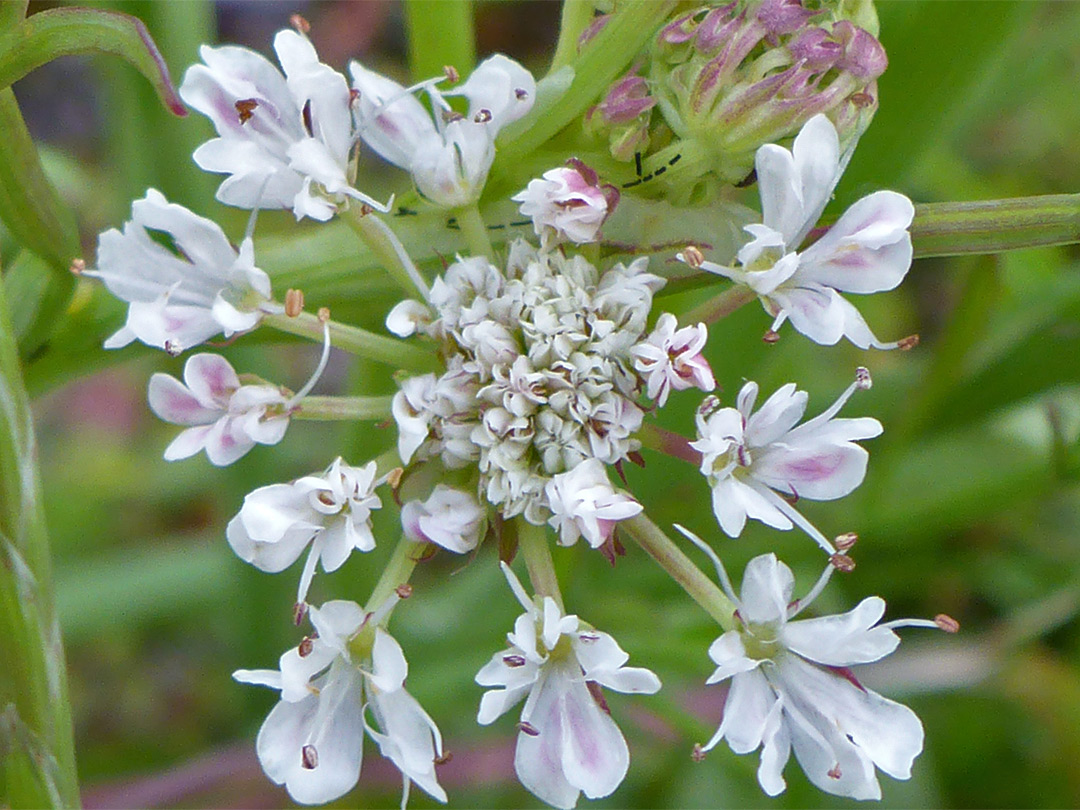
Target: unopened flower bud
624, 116
568, 204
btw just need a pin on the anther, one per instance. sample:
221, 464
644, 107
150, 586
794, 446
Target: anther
294, 303
697, 753
451, 74
844, 542
947, 623
861, 99
771, 336
862, 379
588, 638
842, 563
446, 757
743, 456
393, 478
482, 116
365, 209
309, 758
305, 648
835, 772
299, 611
77, 267
245, 108
514, 661
450, 116
404, 590
693, 257
172, 348
354, 95
299, 23
520, 93
528, 728
324, 314
908, 343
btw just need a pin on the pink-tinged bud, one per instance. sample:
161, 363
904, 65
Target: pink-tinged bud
717, 29
568, 204
863, 55
783, 16
682, 29
623, 116
815, 49
594, 28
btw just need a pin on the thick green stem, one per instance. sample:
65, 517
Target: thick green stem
440, 34
533, 542
681, 568
993, 226
360, 342
37, 750
328, 409
719, 306
397, 572
475, 231
387, 248
665, 441
576, 16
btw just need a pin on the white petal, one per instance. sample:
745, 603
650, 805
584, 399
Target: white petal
271, 557
817, 163
409, 738
746, 711
188, 443
171, 401
389, 667
502, 87
211, 378
779, 414
814, 310
775, 751
844, 639
729, 655
766, 591
818, 471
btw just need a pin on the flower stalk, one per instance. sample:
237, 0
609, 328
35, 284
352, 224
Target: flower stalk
533, 542
326, 409
474, 230
397, 572
993, 226
387, 249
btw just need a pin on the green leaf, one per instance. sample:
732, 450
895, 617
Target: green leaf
66, 31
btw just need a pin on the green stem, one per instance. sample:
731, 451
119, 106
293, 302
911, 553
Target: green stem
719, 306
475, 231
993, 226
397, 572
327, 409
360, 342
440, 34
668, 442
387, 249
576, 17
533, 542
682, 569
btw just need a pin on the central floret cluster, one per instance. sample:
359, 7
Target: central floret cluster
540, 373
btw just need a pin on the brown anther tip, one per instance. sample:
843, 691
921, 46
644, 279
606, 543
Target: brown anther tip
908, 343
245, 108
697, 753
693, 257
835, 772
862, 379
305, 648
299, 611
173, 349
482, 116
528, 728
299, 23
393, 478
404, 590
365, 209
323, 314
771, 336
354, 95
845, 541
294, 303
77, 267
520, 93
947, 623
446, 757
514, 661
309, 758
451, 73
861, 99
842, 562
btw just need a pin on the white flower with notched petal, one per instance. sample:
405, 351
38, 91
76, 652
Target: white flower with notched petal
284, 140
867, 250
223, 417
792, 689
670, 359
567, 204
182, 296
568, 744
312, 740
583, 502
449, 518
332, 511
748, 458
448, 156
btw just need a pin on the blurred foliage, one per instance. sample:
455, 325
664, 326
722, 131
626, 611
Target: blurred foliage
971, 505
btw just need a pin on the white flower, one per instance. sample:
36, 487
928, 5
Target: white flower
746, 456
284, 140
332, 511
181, 297
567, 204
223, 417
791, 688
312, 740
670, 359
448, 157
449, 518
568, 744
867, 250
583, 502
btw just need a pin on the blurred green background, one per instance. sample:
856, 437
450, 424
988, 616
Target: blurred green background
971, 505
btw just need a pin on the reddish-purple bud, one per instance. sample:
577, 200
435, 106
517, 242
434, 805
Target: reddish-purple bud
863, 55
783, 16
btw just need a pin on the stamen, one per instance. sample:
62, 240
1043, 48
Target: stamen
404, 590
845, 542
451, 74
403, 257
520, 93
482, 116
697, 753
294, 303
842, 562
947, 623
528, 728
771, 336
835, 772
908, 343
939, 622
321, 367
299, 611
862, 383
514, 661
793, 515
721, 572
173, 348
245, 109
796, 607
692, 256
78, 267
382, 611
309, 758
305, 648
862, 379
442, 759
299, 23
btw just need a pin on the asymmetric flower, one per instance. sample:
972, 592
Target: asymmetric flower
285, 140
449, 155
583, 502
867, 250
568, 204
568, 744
791, 688
450, 518
670, 359
223, 417
749, 457
183, 296
312, 740
332, 511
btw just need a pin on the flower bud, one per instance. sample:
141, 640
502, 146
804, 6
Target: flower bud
568, 204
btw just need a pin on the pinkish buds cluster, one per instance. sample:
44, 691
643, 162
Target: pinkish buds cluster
624, 115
